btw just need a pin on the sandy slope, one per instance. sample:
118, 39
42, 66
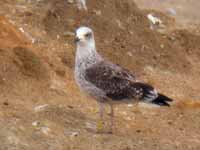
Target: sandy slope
42, 108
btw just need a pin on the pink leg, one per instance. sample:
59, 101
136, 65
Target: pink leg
111, 118
100, 124
101, 111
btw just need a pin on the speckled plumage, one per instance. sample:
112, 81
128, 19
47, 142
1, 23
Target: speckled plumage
107, 82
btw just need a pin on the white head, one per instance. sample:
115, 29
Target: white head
85, 38
86, 53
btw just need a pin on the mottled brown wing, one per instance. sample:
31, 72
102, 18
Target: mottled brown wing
119, 84
115, 81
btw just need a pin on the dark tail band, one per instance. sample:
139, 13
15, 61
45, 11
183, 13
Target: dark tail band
162, 100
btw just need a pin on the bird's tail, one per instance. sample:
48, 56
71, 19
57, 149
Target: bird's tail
149, 94
162, 100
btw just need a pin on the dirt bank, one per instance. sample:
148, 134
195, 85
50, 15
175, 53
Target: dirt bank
42, 108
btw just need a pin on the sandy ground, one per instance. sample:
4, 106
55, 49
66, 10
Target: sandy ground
42, 108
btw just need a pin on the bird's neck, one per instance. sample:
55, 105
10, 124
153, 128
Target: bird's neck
86, 55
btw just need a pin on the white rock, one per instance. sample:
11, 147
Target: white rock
35, 123
74, 134
97, 12
81, 4
129, 54
22, 30
45, 130
68, 33
40, 107
71, 133
70, 1
90, 125
154, 20
130, 105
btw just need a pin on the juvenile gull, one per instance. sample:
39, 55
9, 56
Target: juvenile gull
107, 82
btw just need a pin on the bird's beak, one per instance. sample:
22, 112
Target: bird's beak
77, 39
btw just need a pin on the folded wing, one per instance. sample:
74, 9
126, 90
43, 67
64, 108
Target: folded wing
118, 84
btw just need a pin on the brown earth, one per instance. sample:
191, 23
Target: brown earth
42, 108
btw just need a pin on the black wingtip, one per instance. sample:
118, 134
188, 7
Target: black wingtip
162, 100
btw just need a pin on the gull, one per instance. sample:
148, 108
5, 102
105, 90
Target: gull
106, 82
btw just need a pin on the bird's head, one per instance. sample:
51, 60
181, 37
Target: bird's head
84, 36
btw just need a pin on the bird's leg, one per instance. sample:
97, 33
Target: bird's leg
137, 110
136, 107
100, 124
111, 118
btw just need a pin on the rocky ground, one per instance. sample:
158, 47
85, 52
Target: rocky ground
42, 108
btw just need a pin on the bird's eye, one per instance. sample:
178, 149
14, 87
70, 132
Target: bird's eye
88, 35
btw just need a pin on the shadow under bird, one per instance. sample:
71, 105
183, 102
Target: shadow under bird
107, 82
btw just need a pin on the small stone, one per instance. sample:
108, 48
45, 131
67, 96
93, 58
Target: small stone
130, 105
97, 12
68, 33
5, 103
21, 29
58, 37
162, 46
129, 54
154, 20
45, 130
71, 107
172, 38
138, 130
70, 1
36, 123
81, 4
71, 133
40, 107
119, 23
90, 125
74, 134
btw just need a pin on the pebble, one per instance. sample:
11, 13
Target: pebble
128, 118
45, 130
81, 4
35, 123
90, 125
68, 33
40, 107
97, 12
21, 29
154, 20
130, 105
129, 54
72, 133
162, 46
70, 1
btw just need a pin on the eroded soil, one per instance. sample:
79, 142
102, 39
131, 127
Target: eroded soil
42, 108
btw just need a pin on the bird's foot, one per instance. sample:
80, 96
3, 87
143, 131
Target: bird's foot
101, 130
100, 126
